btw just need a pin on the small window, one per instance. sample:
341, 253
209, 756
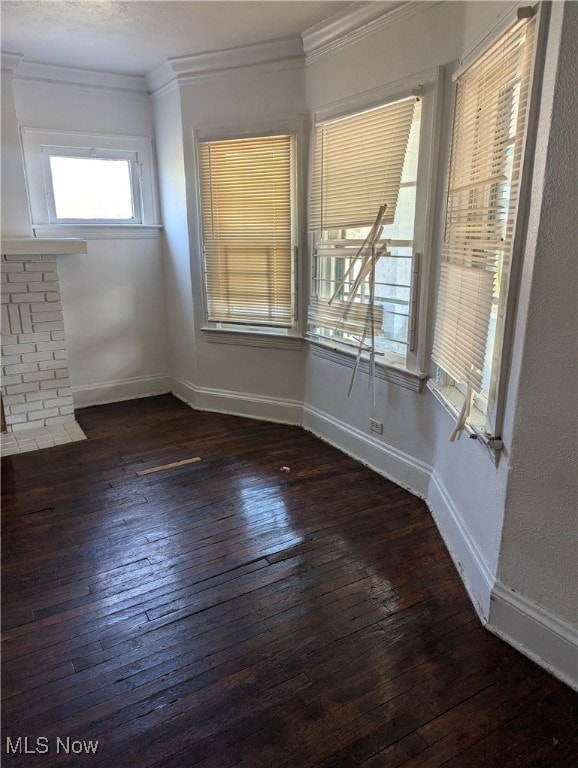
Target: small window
363, 162
84, 183
248, 232
92, 188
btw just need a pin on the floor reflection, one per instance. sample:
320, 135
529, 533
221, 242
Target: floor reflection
265, 512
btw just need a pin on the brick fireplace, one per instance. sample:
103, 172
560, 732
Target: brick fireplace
36, 389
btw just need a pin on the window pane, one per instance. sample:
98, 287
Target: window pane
92, 188
337, 273
247, 230
485, 165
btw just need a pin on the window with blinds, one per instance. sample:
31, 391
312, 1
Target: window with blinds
361, 163
247, 230
357, 166
484, 186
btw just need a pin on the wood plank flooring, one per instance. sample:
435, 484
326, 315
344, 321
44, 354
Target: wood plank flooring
224, 613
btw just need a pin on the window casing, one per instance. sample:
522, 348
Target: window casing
248, 232
487, 155
396, 270
401, 273
90, 184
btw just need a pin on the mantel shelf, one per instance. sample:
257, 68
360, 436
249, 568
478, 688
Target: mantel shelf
35, 246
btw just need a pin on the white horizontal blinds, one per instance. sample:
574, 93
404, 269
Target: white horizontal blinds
246, 225
464, 299
349, 317
357, 166
488, 133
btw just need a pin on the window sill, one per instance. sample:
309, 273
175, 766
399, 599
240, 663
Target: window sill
99, 231
252, 339
452, 400
400, 376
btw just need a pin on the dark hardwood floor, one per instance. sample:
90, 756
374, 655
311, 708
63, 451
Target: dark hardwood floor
225, 613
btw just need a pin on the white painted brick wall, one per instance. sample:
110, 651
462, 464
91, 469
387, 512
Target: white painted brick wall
35, 379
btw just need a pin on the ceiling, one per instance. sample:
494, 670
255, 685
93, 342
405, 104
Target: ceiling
135, 37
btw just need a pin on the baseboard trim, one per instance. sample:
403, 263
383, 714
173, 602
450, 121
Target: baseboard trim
474, 571
382, 458
184, 390
275, 409
544, 637
121, 389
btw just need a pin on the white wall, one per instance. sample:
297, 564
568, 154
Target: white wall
538, 568
541, 519
405, 450
15, 217
265, 382
113, 298
177, 257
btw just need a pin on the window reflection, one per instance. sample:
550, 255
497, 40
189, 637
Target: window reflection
264, 510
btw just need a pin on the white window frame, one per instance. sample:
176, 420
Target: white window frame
40, 145
487, 426
75, 152
248, 335
427, 86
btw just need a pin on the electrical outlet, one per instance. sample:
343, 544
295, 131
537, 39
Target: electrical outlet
376, 426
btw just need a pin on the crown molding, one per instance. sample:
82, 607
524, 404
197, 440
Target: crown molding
10, 61
185, 68
344, 22
356, 23
31, 71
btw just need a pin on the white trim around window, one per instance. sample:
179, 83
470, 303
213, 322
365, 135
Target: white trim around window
485, 390
241, 330
134, 153
426, 86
